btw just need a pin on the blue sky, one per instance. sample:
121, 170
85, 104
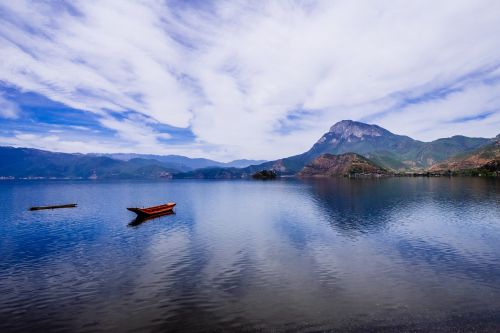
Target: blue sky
239, 79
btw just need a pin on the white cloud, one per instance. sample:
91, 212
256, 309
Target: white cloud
62, 141
236, 73
117, 56
8, 109
459, 112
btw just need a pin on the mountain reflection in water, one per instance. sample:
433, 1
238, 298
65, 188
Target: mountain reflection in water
351, 255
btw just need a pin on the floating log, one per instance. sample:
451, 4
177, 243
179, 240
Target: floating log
53, 207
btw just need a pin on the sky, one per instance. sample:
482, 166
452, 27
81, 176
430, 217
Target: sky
243, 79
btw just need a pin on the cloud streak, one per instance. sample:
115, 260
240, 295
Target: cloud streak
8, 109
263, 79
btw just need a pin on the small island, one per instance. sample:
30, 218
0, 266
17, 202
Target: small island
265, 175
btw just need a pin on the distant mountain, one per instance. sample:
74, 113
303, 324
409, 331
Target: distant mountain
213, 173
34, 163
396, 152
483, 160
348, 164
243, 163
183, 163
390, 151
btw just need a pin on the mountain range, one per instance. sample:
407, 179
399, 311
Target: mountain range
389, 150
361, 147
395, 153
482, 160
35, 163
183, 163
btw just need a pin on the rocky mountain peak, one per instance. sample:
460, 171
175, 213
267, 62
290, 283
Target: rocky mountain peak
350, 128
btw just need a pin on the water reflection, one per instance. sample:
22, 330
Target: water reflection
141, 219
364, 205
390, 254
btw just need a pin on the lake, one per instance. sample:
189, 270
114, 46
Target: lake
288, 255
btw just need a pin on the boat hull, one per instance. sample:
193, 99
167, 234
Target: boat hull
153, 211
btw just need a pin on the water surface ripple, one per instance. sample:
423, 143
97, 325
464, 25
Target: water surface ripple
411, 254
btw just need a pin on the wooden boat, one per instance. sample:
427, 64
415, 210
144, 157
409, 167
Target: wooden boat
153, 211
53, 207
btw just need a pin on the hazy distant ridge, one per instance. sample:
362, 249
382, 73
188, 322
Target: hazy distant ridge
35, 163
184, 163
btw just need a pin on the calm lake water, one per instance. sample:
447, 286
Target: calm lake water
289, 255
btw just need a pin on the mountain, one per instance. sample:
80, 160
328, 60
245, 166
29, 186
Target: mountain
381, 147
213, 173
389, 150
483, 160
348, 164
386, 149
34, 163
243, 163
183, 163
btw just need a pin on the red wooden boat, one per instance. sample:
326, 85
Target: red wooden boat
153, 211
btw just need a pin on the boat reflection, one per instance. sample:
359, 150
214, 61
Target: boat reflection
140, 220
